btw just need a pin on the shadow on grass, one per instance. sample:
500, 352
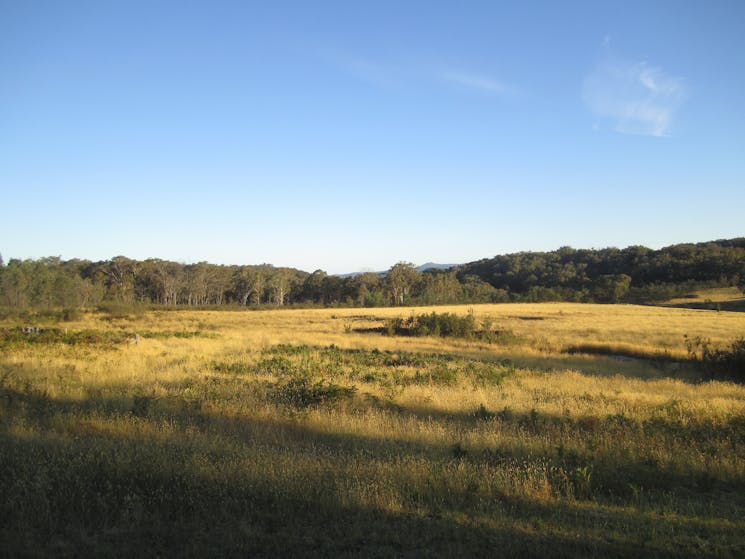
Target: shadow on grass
183, 481
620, 360
734, 305
104, 510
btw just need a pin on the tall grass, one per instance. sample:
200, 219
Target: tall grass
287, 434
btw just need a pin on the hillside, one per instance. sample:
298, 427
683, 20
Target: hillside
634, 274
611, 275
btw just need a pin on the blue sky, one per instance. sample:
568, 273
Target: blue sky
351, 135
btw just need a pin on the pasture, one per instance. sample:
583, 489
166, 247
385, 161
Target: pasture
575, 431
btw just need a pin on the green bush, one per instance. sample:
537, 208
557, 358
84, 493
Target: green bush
237, 368
489, 374
71, 314
447, 325
304, 392
10, 337
441, 376
184, 334
433, 324
117, 310
727, 361
277, 365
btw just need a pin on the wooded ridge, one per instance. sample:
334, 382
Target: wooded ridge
634, 274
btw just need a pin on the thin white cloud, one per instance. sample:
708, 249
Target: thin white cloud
636, 98
474, 81
380, 76
391, 77
370, 72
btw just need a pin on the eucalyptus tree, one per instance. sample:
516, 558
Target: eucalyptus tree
440, 288
261, 275
280, 284
196, 283
119, 276
366, 289
400, 280
242, 284
218, 284
14, 283
165, 279
313, 289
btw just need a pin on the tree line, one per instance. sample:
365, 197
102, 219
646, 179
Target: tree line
634, 274
52, 282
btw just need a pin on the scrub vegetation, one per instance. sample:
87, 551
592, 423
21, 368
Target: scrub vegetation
555, 430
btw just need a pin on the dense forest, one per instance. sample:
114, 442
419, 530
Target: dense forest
611, 275
633, 274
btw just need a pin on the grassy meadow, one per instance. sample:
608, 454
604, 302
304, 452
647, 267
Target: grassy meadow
575, 431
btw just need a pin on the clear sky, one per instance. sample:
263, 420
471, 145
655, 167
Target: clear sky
351, 135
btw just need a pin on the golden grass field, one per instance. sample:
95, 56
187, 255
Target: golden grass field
586, 432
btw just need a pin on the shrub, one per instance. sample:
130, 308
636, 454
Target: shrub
433, 324
236, 368
70, 314
728, 361
304, 392
489, 374
447, 325
277, 365
117, 310
10, 337
185, 334
441, 376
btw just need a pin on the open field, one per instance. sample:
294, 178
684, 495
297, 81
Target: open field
580, 431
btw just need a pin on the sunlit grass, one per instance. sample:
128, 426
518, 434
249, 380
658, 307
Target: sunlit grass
306, 433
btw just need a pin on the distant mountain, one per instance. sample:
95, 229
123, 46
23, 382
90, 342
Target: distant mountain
352, 274
434, 266
422, 268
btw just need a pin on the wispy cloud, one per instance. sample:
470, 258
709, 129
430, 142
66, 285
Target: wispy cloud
475, 81
369, 72
373, 73
408, 73
636, 97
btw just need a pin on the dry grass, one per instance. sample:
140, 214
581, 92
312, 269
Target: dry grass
299, 432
